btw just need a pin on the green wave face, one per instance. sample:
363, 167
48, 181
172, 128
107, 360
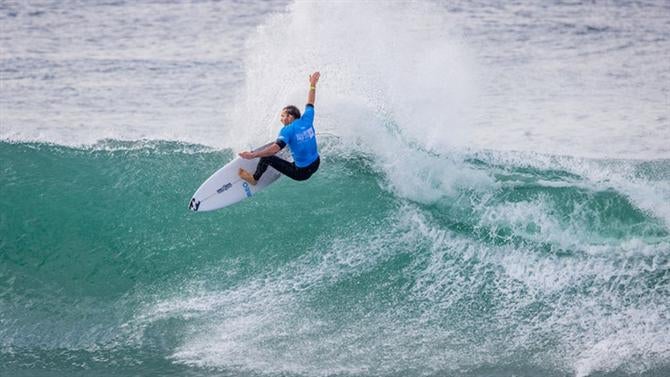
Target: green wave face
545, 266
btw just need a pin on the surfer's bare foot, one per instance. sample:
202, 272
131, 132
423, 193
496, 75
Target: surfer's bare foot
247, 176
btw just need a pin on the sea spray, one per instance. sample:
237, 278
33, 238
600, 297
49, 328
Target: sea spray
384, 91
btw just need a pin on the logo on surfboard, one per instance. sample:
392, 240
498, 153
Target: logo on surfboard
247, 190
224, 187
193, 205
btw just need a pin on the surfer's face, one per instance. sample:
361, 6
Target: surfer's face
286, 118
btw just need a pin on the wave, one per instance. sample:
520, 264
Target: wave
541, 267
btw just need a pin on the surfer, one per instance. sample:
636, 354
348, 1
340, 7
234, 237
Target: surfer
298, 133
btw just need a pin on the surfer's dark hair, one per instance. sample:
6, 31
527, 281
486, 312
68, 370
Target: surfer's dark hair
293, 111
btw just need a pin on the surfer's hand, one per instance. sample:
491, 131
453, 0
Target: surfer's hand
314, 78
247, 155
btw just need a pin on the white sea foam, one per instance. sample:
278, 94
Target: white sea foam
587, 301
469, 304
648, 191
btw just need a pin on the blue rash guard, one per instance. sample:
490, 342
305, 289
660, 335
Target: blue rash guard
301, 138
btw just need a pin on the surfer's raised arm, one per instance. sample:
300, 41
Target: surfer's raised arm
313, 79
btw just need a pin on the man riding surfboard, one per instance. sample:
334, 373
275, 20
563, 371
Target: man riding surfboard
298, 133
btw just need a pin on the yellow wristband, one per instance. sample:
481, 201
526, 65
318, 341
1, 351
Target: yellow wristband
312, 87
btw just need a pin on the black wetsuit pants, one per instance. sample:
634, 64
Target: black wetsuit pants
287, 168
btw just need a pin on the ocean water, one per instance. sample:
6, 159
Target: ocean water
493, 200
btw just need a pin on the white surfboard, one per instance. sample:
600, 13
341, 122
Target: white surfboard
225, 187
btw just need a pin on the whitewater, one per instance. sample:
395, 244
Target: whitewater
493, 200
